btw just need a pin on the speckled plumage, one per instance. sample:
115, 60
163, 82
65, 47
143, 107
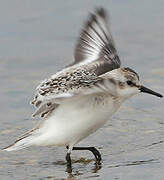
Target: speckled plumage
78, 100
89, 82
95, 54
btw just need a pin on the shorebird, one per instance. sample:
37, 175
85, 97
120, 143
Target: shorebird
81, 98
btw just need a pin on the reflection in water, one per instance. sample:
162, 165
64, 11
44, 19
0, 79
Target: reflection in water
95, 169
75, 171
84, 161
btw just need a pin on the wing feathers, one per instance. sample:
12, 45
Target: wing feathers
96, 42
95, 54
45, 109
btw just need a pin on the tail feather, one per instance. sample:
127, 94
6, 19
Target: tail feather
20, 144
27, 139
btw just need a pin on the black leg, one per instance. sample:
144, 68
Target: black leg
69, 163
93, 150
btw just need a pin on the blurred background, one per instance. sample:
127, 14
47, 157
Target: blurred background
37, 39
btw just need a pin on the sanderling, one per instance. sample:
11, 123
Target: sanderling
78, 100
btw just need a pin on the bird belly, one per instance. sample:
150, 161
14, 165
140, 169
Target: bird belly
74, 120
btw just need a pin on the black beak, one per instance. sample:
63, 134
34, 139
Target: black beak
149, 91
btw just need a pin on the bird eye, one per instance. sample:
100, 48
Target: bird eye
129, 83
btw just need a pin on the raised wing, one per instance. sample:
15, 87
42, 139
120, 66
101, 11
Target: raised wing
95, 54
96, 41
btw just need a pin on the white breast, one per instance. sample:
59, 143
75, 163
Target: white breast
75, 120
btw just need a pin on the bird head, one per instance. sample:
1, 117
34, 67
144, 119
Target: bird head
128, 83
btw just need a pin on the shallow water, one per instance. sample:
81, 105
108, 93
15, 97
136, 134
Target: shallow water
36, 40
